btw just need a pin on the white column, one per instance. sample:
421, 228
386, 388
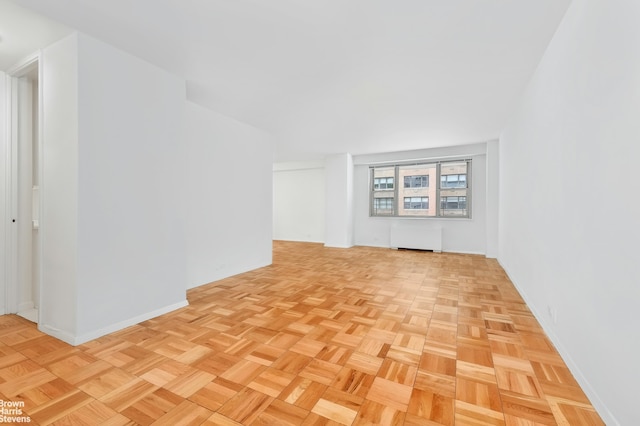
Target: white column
492, 199
59, 189
339, 200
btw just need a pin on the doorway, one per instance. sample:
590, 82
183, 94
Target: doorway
23, 292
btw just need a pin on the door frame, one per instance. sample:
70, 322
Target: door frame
11, 290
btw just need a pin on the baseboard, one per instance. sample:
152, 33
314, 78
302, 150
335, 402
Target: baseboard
360, 244
57, 333
301, 240
25, 306
78, 340
227, 273
369, 244
338, 246
29, 315
474, 253
598, 404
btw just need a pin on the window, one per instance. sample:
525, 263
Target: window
412, 197
416, 203
416, 181
384, 203
383, 183
453, 181
453, 203
383, 206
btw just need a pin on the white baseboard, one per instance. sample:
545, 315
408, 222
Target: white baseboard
299, 240
475, 253
78, 340
29, 314
342, 246
598, 404
57, 333
226, 272
25, 306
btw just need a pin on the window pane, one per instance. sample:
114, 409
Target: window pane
416, 203
453, 205
453, 175
416, 181
414, 191
453, 181
383, 183
383, 206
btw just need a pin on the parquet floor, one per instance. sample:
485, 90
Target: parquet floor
323, 336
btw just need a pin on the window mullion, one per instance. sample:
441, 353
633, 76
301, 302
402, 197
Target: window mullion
468, 193
438, 212
372, 199
396, 180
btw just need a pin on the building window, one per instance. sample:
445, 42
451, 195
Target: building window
412, 198
416, 181
453, 181
383, 206
416, 203
453, 203
383, 183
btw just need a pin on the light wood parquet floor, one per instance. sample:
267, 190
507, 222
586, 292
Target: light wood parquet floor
322, 337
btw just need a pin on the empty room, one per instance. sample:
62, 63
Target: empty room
411, 212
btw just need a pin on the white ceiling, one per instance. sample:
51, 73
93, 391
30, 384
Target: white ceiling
328, 76
23, 32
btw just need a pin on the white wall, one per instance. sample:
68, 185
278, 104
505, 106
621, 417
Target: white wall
299, 202
229, 196
458, 235
569, 214
59, 189
137, 204
131, 203
112, 223
4, 201
26, 166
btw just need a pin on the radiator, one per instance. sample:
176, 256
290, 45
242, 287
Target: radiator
419, 236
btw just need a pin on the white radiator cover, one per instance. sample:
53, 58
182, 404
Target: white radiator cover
419, 236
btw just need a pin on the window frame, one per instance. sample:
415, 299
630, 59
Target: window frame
438, 197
